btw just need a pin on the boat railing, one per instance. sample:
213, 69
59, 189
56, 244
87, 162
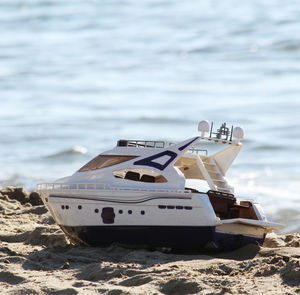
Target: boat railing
193, 149
198, 151
153, 144
141, 143
97, 186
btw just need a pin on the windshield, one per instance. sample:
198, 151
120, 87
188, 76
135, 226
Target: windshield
103, 161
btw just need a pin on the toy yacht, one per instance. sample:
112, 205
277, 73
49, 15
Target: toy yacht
157, 195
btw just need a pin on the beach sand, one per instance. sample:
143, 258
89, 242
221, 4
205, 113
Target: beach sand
37, 258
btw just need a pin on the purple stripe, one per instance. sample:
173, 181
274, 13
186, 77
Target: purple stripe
186, 145
151, 163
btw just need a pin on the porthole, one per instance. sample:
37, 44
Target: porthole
67, 207
162, 206
188, 207
129, 211
79, 207
120, 211
96, 210
179, 207
143, 212
170, 207
62, 207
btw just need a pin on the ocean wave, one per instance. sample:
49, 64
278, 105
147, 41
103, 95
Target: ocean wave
164, 120
290, 218
15, 179
75, 150
270, 147
287, 45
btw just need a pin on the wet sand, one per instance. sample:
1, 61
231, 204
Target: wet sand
37, 258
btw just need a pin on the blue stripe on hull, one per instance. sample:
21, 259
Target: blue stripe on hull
231, 242
175, 237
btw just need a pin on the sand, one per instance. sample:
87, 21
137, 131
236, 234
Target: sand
37, 258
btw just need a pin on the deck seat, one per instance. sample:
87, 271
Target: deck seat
132, 176
147, 178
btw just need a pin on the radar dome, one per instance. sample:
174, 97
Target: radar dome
238, 133
203, 127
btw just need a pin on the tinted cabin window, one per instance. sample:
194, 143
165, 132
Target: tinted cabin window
132, 176
143, 175
108, 215
103, 161
147, 178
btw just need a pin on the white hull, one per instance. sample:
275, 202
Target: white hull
80, 210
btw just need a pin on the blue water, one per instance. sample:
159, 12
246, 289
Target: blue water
75, 76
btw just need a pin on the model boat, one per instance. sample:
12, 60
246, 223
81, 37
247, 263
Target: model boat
158, 195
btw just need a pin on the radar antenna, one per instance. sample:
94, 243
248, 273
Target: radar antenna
223, 132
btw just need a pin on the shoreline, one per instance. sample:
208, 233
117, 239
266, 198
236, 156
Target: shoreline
37, 258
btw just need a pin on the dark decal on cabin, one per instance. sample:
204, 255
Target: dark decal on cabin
150, 161
186, 145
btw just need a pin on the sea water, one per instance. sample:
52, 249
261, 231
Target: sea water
76, 76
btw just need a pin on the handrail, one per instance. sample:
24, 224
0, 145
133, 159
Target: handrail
197, 151
141, 143
96, 186
153, 144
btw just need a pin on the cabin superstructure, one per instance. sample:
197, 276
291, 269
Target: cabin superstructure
155, 163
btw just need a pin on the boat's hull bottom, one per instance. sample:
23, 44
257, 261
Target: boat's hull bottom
174, 237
